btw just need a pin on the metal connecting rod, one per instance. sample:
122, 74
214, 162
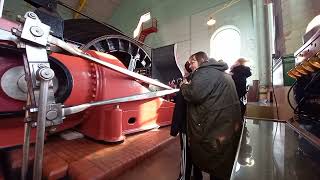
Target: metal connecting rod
148, 95
44, 75
26, 142
76, 51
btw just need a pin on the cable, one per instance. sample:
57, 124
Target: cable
278, 117
288, 95
273, 158
274, 95
226, 5
314, 78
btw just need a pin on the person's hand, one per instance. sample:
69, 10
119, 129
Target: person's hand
185, 81
172, 84
186, 73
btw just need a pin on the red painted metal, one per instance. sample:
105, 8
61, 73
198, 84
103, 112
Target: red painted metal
11, 129
114, 134
8, 61
136, 116
92, 82
147, 28
7, 25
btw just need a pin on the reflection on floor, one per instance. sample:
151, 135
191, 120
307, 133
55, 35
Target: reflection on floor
272, 151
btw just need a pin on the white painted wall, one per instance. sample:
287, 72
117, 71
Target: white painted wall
296, 16
191, 33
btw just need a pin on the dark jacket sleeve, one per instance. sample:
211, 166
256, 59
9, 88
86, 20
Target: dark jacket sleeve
247, 72
242, 71
200, 87
179, 115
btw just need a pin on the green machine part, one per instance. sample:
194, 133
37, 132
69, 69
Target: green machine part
288, 62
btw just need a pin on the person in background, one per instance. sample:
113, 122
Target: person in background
240, 73
213, 116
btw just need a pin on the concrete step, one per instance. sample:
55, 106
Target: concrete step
261, 110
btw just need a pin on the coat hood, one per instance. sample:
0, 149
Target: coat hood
221, 66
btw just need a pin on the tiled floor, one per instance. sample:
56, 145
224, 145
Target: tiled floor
88, 159
164, 165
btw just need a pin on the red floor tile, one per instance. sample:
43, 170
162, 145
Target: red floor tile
88, 159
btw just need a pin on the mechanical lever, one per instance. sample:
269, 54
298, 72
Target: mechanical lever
78, 52
148, 95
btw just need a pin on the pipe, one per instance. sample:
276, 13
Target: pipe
148, 95
26, 147
1, 7
26, 143
82, 3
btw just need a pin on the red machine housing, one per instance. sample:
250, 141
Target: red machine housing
90, 82
93, 83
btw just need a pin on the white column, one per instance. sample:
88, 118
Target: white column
260, 18
1, 7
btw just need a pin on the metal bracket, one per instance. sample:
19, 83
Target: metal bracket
43, 110
34, 38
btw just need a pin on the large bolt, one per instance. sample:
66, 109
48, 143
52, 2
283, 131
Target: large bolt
41, 66
20, 19
16, 32
31, 15
36, 31
51, 115
46, 73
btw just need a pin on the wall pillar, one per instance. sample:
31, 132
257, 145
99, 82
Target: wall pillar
261, 26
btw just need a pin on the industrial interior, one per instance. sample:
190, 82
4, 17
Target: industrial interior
88, 87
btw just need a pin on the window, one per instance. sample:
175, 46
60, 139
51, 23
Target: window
225, 44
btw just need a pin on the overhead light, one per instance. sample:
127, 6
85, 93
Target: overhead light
211, 21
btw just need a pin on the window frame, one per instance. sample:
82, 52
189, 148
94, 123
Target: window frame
216, 33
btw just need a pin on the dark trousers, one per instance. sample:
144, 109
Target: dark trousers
186, 162
243, 109
197, 175
227, 165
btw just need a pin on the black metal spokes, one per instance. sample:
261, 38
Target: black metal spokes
130, 53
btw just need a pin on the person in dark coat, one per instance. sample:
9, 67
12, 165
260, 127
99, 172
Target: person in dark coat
213, 116
179, 123
240, 73
179, 126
